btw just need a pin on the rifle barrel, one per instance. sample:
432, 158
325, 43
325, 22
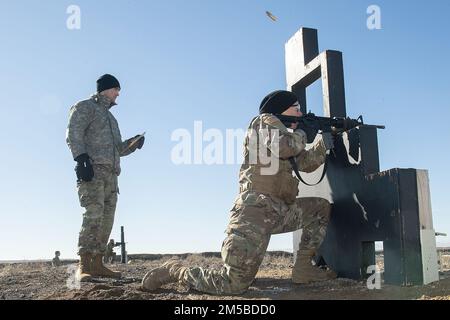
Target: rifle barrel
334, 122
374, 126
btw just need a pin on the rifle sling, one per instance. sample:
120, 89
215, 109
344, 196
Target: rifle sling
297, 173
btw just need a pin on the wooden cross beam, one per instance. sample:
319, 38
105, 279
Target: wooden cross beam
304, 65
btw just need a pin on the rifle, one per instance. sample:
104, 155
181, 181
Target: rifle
312, 124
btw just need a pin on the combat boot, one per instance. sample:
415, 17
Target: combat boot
99, 270
84, 268
304, 272
170, 271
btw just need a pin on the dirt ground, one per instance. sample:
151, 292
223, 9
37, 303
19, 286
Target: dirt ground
39, 280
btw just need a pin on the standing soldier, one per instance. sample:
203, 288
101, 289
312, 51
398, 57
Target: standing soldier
93, 137
267, 204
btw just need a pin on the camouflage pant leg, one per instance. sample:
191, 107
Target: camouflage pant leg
242, 252
92, 199
110, 207
316, 215
242, 258
97, 199
310, 214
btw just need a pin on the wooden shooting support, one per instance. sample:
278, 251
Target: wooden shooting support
392, 206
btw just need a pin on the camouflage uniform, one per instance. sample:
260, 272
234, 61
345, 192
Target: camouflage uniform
110, 254
93, 130
56, 262
266, 205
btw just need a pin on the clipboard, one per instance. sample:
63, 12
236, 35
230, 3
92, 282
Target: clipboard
134, 141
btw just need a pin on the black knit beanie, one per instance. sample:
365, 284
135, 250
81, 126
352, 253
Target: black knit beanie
106, 82
277, 102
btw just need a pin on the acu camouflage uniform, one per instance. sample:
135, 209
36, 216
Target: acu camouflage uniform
266, 205
93, 130
110, 254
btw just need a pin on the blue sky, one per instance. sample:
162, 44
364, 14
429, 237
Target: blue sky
181, 61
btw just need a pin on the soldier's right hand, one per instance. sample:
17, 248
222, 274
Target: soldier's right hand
328, 140
84, 169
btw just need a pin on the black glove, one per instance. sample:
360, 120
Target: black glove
137, 145
84, 169
328, 140
140, 143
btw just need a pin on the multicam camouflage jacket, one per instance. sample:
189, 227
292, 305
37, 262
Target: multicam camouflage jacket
92, 129
267, 147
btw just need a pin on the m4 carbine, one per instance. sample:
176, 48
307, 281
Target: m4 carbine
312, 124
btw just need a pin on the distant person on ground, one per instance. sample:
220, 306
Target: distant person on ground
55, 261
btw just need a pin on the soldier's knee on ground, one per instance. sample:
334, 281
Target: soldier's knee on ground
242, 256
239, 286
239, 289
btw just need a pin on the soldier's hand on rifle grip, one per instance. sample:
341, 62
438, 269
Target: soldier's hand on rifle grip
294, 125
328, 140
84, 169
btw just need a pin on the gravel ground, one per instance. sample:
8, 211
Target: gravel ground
38, 280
